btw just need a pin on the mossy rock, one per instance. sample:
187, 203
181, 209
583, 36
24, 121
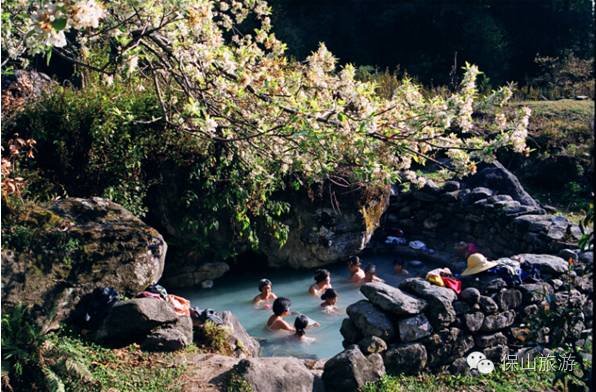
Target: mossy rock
53, 255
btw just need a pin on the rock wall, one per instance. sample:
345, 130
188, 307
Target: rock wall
490, 209
420, 326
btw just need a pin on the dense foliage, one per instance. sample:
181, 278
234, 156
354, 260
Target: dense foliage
253, 120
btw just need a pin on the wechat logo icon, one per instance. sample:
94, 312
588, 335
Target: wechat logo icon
477, 360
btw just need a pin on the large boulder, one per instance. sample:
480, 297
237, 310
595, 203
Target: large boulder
151, 322
350, 331
370, 321
392, 299
277, 374
501, 181
350, 370
440, 300
323, 232
77, 245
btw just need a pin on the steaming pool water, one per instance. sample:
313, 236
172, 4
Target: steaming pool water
235, 291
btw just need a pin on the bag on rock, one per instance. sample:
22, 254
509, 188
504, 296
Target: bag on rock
93, 307
157, 289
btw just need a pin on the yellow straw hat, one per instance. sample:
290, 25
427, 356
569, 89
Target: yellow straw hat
477, 263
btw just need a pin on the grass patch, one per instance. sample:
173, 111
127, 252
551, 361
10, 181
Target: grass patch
561, 127
499, 381
126, 369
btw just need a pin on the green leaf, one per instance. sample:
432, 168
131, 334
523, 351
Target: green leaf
59, 24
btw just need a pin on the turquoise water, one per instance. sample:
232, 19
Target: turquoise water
236, 291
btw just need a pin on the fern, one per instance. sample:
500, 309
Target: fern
53, 381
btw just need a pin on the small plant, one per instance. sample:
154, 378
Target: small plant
559, 324
21, 344
236, 383
213, 337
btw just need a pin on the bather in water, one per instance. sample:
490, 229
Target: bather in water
322, 282
266, 296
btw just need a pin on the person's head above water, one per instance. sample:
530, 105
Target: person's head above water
330, 295
300, 324
263, 284
281, 306
354, 263
354, 260
370, 269
322, 275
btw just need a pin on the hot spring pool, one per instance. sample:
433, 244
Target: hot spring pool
235, 292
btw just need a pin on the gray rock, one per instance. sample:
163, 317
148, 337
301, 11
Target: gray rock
586, 257
573, 298
414, 328
372, 344
499, 199
449, 197
486, 341
450, 186
535, 292
349, 331
392, 299
446, 345
473, 321
498, 321
460, 366
547, 264
461, 307
488, 305
508, 299
170, 337
566, 254
497, 354
131, 321
113, 249
21, 87
318, 233
585, 284
527, 355
440, 300
588, 311
370, 321
350, 370
530, 310
471, 295
277, 374
479, 193
406, 358
496, 177
239, 340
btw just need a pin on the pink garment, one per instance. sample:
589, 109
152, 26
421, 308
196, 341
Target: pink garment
148, 294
